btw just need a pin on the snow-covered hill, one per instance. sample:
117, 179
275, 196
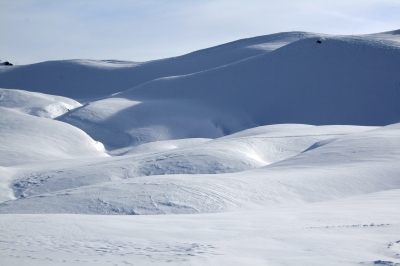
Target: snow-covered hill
88, 79
285, 148
342, 80
36, 104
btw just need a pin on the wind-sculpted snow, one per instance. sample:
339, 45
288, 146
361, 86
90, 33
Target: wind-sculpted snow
36, 104
239, 152
334, 170
29, 139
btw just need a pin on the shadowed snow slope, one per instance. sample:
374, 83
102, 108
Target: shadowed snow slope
36, 104
90, 79
343, 80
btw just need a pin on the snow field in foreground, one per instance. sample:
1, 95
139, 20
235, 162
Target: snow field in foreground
348, 231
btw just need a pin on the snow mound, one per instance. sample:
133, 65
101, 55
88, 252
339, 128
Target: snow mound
158, 146
37, 104
30, 139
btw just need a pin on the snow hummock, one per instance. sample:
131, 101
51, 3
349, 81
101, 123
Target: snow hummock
37, 104
274, 150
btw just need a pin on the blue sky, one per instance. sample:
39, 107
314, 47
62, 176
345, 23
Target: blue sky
39, 30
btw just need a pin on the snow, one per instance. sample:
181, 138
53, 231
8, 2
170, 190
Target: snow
337, 232
36, 104
88, 79
271, 150
332, 83
27, 139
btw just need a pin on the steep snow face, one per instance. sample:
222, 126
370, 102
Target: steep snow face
342, 80
37, 104
88, 79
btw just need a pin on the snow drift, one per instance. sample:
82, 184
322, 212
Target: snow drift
37, 104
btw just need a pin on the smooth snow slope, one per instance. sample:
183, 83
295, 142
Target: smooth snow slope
343, 80
81, 79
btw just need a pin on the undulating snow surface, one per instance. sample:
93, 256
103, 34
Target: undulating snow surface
273, 150
81, 79
343, 80
36, 104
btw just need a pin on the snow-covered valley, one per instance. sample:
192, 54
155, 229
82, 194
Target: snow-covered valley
273, 150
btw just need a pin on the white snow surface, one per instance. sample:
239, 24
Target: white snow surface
87, 79
37, 104
345, 80
273, 150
